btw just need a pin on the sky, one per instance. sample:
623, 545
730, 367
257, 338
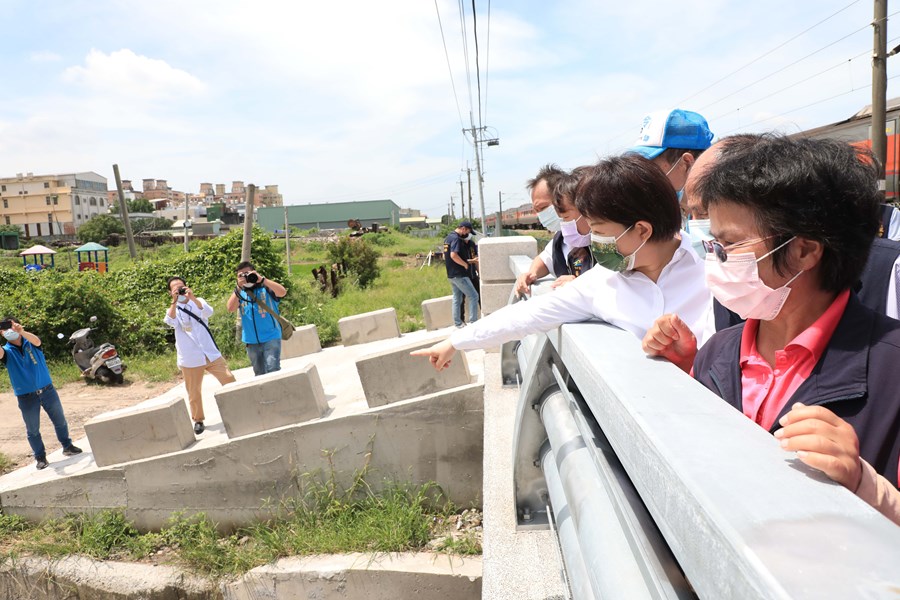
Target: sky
353, 99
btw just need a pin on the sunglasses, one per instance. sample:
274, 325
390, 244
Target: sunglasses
721, 252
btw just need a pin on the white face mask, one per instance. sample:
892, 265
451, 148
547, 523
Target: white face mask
699, 233
182, 299
606, 252
571, 236
11, 335
549, 219
735, 283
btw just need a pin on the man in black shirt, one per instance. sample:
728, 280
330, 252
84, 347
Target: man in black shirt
456, 259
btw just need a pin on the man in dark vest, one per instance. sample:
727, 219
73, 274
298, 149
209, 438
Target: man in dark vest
456, 259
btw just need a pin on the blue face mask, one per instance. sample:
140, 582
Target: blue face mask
11, 335
549, 219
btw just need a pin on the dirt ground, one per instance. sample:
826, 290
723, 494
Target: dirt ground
81, 401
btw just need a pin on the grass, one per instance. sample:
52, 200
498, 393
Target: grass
6, 464
398, 518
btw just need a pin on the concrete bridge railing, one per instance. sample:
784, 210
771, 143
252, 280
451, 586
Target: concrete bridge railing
659, 489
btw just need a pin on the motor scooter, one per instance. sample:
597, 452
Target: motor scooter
96, 362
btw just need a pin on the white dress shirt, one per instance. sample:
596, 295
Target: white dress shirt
192, 342
892, 306
629, 300
893, 232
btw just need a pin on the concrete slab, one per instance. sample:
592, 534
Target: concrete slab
518, 565
494, 253
304, 341
272, 400
87, 492
393, 375
494, 296
437, 312
369, 327
363, 576
140, 432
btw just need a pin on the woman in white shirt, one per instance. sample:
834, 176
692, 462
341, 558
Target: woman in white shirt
646, 267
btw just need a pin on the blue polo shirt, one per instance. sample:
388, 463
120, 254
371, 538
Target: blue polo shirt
258, 326
26, 366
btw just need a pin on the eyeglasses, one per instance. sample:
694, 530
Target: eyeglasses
721, 251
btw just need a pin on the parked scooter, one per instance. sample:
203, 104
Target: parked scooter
101, 362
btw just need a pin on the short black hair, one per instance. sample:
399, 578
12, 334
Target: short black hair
819, 189
10, 318
629, 188
243, 265
173, 278
565, 188
671, 155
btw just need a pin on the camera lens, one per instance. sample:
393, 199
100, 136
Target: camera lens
182, 291
252, 278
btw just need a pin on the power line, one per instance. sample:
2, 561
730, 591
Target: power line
477, 65
789, 65
757, 59
465, 39
793, 110
487, 58
449, 69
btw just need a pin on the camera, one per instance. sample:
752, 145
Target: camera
182, 291
7, 324
251, 278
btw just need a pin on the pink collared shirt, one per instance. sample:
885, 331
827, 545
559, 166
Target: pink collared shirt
765, 390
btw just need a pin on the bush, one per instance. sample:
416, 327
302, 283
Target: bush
358, 256
99, 227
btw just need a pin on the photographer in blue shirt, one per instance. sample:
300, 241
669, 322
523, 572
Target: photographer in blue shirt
261, 331
23, 358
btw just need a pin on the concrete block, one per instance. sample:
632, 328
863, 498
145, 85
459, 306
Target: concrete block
150, 431
494, 253
369, 327
393, 375
304, 341
89, 492
494, 296
271, 400
438, 312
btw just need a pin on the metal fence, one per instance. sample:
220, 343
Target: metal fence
659, 489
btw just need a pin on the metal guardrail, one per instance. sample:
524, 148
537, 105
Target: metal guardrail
659, 489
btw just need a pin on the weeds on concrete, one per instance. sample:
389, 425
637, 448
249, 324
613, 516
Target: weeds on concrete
6, 464
323, 519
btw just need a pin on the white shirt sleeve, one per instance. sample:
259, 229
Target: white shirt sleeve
892, 309
894, 226
568, 304
546, 256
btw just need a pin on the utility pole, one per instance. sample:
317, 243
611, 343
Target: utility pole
499, 214
462, 201
248, 223
287, 240
123, 210
469, 177
477, 142
187, 215
879, 88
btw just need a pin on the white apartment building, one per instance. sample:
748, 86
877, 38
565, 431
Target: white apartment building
46, 205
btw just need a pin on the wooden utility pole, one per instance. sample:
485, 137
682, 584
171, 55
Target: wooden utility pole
879, 88
187, 218
123, 210
287, 240
462, 201
499, 231
248, 223
469, 177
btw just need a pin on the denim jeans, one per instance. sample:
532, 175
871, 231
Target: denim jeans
462, 289
265, 357
30, 405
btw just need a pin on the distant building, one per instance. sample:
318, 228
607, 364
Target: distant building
330, 216
48, 205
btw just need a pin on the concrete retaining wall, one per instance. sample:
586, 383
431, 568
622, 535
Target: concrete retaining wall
363, 577
369, 327
271, 400
494, 253
438, 313
394, 375
494, 296
304, 341
139, 433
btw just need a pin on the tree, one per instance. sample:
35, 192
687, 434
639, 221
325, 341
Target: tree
154, 224
99, 227
139, 205
358, 256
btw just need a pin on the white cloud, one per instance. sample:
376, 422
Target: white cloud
125, 73
44, 56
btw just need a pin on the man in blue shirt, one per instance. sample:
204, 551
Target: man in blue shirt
457, 260
261, 331
23, 358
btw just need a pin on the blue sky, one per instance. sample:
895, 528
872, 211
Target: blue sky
352, 100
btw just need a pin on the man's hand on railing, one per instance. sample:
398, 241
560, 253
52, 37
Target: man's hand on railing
672, 339
824, 441
561, 281
439, 355
523, 283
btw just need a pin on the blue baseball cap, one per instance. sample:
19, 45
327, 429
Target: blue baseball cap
672, 129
